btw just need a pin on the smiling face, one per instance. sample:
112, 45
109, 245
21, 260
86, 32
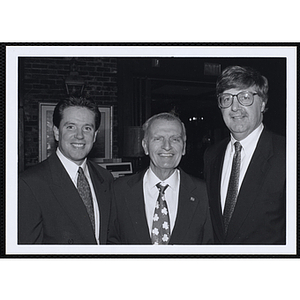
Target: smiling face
76, 133
242, 120
165, 145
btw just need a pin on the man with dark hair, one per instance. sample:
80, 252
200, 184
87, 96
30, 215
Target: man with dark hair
66, 198
246, 173
161, 205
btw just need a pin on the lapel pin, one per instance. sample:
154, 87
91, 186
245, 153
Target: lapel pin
192, 199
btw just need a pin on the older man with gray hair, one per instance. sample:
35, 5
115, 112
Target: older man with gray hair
161, 205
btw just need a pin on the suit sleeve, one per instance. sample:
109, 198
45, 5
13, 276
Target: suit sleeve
113, 227
208, 235
30, 230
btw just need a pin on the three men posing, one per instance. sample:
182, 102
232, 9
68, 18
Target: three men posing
245, 180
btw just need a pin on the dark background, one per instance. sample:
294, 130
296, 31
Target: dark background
137, 88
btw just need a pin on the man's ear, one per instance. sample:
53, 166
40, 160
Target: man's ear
263, 106
95, 136
145, 147
56, 133
184, 147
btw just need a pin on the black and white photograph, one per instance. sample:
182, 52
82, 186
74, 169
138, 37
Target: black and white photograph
121, 161
148, 150
127, 124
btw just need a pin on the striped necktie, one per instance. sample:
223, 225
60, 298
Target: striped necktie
86, 195
233, 186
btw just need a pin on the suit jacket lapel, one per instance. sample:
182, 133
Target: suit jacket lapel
252, 182
187, 202
214, 188
66, 194
101, 190
136, 207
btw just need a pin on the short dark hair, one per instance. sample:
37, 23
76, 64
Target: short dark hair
242, 78
163, 116
79, 102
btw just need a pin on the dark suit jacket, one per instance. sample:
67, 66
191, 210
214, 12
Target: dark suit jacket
129, 224
259, 215
51, 210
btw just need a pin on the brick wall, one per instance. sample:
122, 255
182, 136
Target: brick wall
42, 80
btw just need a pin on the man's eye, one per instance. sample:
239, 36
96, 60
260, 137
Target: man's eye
88, 128
245, 96
178, 139
70, 127
226, 98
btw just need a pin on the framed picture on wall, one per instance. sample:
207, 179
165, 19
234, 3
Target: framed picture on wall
102, 147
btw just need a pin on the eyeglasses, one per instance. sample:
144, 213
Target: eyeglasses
245, 98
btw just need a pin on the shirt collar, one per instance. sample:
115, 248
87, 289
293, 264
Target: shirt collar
249, 142
152, 180
70, 166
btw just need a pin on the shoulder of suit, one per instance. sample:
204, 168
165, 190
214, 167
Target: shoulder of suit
187, 177
103, 172
130, 180
38, 171
215, 149
278, 141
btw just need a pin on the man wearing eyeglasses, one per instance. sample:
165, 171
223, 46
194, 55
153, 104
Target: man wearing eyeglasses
246, 174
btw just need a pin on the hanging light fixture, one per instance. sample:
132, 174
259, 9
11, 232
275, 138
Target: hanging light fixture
74, 83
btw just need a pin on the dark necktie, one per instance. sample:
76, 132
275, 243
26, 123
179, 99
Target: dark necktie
160, 233
85, 194
233, 186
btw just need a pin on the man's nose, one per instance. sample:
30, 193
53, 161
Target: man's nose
79, 133
235, 104
167, 144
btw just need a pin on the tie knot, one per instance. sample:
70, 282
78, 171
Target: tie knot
161, 188
237, 146
80, 171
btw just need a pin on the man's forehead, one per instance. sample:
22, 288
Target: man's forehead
240, 89
170, 131
162, 124
75, 111
77, 114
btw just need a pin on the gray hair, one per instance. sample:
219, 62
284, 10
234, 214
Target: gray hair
163, 116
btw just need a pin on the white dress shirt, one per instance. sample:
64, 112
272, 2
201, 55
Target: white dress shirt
248, 148
151, 194
72, 170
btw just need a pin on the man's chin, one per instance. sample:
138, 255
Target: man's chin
79, 158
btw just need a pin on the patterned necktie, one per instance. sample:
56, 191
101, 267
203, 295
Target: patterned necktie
86, 195
160, 233
233, 186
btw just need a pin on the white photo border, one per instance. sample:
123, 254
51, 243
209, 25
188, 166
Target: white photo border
12, 55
